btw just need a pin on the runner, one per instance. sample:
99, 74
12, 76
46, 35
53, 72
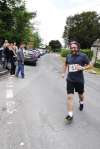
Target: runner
75, 63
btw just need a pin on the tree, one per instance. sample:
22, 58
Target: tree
84, 27
36, 40
15, 21
55, 45
22, 27
6, 19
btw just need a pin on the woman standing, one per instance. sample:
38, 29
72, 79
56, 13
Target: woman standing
12, 59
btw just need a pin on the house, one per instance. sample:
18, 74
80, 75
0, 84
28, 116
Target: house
96, 50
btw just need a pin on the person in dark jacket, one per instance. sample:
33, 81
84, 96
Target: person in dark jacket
6, 55
12, 57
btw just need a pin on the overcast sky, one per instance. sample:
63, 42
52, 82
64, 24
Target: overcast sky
51, 14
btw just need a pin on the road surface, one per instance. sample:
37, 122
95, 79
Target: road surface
32, 110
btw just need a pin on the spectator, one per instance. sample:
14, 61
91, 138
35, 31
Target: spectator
20, 59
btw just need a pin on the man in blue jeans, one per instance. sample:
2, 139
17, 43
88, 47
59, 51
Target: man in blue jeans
75, 63
20, 59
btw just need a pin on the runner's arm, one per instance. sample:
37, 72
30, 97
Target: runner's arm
89, 66
85, 67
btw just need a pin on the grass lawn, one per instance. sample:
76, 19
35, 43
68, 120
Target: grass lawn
97, 67
97, 70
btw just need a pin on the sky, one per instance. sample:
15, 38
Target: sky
52, 14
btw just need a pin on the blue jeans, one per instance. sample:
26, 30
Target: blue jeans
20, 69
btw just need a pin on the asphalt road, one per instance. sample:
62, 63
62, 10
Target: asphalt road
32, 110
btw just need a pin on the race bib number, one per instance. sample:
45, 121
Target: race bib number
73, 68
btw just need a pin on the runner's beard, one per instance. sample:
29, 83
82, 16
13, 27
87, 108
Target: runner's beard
74, 52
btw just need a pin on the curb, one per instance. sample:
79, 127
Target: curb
4, 72
91, 71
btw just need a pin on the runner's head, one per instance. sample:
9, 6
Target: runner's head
74, 46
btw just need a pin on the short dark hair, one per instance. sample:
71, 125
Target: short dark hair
20, 43
74, 42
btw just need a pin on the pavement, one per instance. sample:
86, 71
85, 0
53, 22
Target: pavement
3, 71
32, 110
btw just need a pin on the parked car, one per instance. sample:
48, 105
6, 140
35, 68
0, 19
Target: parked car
30, 57
42, 51
2, 57
38, 54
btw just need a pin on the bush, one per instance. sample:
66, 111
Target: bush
88, 52
58, 50
65, 52
97, 65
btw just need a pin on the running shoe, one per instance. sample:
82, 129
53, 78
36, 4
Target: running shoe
81, 107
68, 119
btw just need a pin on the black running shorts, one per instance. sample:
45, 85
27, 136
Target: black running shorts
75, 86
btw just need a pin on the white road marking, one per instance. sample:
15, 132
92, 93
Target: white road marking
10, 86
22, 144
10, 123
10, 107
9, 93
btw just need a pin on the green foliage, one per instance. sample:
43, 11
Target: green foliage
55, 45
58, 50
84, 27
36, 40
15, 22
88, 52
65, 52
6, 19
97, 64
22, 27
49, 49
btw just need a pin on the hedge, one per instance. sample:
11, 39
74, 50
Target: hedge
88, 52
65, 52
